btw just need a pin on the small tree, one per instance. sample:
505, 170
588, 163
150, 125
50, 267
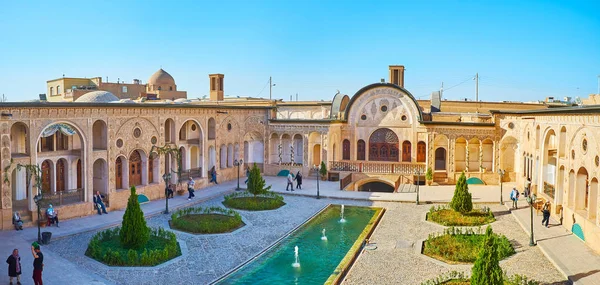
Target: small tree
429, 174
134, 232
256, 184
486, 270
461, 201
323, 169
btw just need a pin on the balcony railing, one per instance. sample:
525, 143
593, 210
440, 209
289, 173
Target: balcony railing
377, 167
65, 197
549, 189
193, 172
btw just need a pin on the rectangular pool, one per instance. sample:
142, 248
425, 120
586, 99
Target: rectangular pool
318, 258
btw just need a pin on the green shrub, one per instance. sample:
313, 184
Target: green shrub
256, 184
106, 247
323, 169
486, 270
443, 215
461, 201
457, 245
247, 201
206, 220
134, 232
429, 174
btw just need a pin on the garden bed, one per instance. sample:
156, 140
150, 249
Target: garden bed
249, 202
457, 246
211, 220
106, 247
449, 217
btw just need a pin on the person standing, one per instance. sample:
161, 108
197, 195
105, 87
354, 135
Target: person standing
290, 182
546, 213
299, 180
247, 175
514, 196
191, 190
38, 264
99, 204
14, 266
527, 187
213, 175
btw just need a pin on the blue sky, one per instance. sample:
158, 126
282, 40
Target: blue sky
522, 50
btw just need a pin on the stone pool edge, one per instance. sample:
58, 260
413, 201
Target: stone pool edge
275, 243
346, 263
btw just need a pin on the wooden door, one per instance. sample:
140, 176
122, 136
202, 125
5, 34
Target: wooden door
135, 169
360, 150
60, 175
406, 151
421, 151
119, 174
79, 186
346, 150
46, 176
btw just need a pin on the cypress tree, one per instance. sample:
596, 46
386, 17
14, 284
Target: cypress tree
486, 270
134, 232
461, 201
256, 184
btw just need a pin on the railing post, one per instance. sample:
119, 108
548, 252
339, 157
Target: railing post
360, 167
392, 167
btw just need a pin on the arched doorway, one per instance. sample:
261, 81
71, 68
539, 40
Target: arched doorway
119, 173
317, 154
135, 169
582, 190
60, 175
406, 150
360, 150
376, 186
99, 176
440, 158
46, 176
346, 150
383, 145
79, 182
421, 151
169, 131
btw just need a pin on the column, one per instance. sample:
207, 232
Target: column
466, 156
480, 155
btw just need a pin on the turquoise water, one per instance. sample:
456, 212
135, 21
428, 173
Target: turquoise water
318, 259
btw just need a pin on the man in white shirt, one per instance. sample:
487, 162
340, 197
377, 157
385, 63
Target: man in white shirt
191, 184
290, 182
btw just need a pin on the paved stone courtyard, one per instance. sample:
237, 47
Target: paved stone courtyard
398, 238
395, 261
209, 256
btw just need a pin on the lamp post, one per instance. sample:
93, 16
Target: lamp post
38, 199
167, 178
318, 169
501, 173
238, 163
531, 199
418, 172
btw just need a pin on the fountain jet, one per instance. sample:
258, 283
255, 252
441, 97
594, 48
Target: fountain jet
342, 220
296, 264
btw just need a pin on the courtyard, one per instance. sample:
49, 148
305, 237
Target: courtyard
396, 258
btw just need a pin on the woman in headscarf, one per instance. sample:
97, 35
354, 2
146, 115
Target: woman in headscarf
14, 266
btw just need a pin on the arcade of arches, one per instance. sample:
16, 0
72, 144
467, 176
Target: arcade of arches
380, 130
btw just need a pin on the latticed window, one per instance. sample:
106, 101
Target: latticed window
383, 145
135, 169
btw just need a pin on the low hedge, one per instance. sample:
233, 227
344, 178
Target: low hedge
106, 247
460, 278
247, 201
209, 220
456, 245
445, 216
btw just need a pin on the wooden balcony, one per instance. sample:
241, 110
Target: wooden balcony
377, 167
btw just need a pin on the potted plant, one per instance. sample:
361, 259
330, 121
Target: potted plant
323, 171
429, 175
